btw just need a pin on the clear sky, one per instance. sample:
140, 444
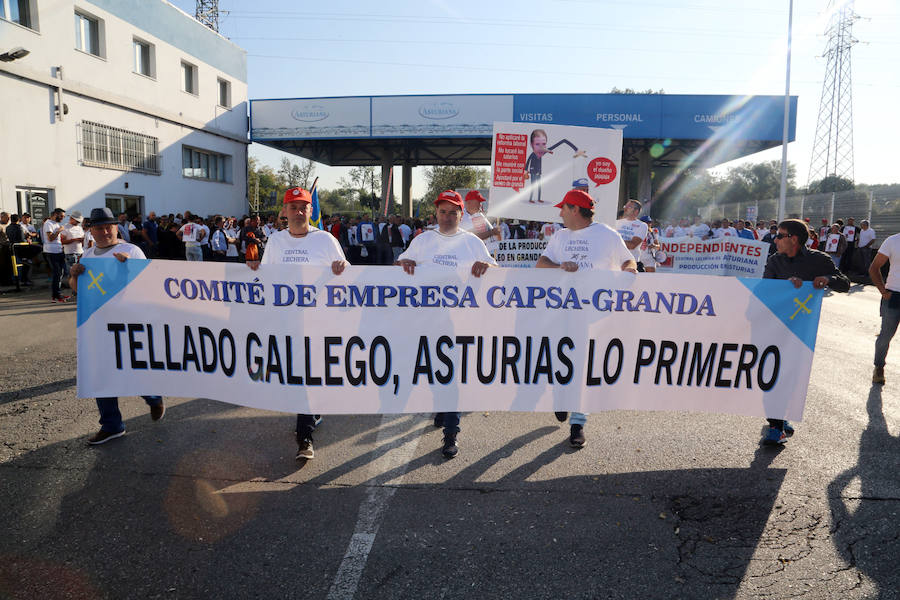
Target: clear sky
351, 47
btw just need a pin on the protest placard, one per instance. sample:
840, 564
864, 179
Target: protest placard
719, 256
533, 166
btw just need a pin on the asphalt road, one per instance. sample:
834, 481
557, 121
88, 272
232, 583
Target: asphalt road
210, 503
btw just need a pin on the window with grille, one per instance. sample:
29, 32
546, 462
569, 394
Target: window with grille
114, 148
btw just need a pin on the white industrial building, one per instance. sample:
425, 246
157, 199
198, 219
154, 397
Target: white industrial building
129, 104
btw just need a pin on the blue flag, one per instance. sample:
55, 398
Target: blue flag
315, 217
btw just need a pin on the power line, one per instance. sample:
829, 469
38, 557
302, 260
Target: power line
568, 26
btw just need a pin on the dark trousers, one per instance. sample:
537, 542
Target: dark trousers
450, 421
57, 262
847, 258
306, 424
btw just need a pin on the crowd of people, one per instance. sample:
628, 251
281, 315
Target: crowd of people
60, 240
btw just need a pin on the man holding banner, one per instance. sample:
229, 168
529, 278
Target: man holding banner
795, 262
583, 244
447, 247
104, 229
302, 244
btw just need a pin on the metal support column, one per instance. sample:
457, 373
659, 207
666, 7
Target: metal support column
644, 190
624, 177
387, 163
407, 209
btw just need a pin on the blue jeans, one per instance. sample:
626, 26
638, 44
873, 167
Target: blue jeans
193, 253
111, 418
577, 418
451, 422
890, 317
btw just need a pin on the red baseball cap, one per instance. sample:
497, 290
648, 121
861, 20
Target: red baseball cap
451, 197
297, 194
577, 198
475, 195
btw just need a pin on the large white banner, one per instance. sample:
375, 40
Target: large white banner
534, 165
720, 256
376, 340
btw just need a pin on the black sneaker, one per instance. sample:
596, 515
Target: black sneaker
101, 437
561, 416
438, 420
317, 420
450, 448
158, 411
305, 448
576, 436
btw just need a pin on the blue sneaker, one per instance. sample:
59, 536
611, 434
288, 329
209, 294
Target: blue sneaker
774, 437
788, 429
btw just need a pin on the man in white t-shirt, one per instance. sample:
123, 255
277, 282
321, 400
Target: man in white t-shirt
191, 233
304, 245
448, 246
125, 227
474, 221
699, 229
890, 300
632, 230
866, 241
72, 239
204, 239
270, 227
233, 232
104, 230
584, 245
53, 253
405, 232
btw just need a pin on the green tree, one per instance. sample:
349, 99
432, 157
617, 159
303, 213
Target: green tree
452, 177
262, 182
294, 175
756, 181
365, 183
831, 183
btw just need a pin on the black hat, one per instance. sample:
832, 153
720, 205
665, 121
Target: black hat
103, 216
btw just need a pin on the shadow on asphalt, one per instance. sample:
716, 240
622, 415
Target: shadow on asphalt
37, 390
865, 534
141, 518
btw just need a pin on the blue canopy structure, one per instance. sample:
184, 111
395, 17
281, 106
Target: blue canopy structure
659, 130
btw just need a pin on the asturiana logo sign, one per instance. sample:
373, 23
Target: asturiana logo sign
310, 113
438, 110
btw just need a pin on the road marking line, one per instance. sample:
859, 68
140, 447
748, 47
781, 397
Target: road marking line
371, 511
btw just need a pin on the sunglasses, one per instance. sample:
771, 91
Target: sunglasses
780, 236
